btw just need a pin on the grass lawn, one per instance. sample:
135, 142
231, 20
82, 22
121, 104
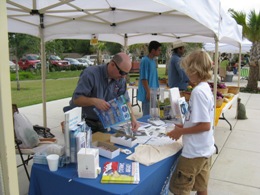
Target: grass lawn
58, 85
161, 74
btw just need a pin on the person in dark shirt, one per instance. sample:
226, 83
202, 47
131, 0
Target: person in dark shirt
176, 75
99, 84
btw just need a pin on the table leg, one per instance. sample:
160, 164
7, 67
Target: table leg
216, 148
224, 118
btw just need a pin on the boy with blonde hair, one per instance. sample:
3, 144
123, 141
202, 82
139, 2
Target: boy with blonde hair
192, 170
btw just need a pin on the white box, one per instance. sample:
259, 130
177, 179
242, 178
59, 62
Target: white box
124, 140
88, 163
107, 150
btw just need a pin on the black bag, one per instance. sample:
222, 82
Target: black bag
43, 132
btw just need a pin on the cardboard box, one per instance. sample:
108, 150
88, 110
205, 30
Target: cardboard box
107, 150
99, 136
124, 140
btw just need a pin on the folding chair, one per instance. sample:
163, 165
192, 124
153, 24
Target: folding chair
41, 131
24, 161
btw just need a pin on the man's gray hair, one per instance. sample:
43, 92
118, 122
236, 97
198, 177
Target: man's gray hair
117, 58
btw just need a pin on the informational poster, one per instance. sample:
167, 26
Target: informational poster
118, 112
72, 119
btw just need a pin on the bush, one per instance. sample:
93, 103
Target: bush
12, 76
22, 76
81, 67
73, 67
248, 90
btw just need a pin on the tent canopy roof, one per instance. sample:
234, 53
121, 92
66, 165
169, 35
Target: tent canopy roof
245, 47
81, 18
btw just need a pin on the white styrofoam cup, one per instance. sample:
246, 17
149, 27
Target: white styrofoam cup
53, 161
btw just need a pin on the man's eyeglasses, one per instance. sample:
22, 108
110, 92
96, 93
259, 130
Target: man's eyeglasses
123, 73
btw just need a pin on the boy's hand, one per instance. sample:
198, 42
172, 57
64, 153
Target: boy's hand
176, 133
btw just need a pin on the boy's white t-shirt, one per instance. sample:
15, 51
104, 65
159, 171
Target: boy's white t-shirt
201, 109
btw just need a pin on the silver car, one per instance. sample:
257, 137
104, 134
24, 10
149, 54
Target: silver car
73, 61
85, 61
13, 66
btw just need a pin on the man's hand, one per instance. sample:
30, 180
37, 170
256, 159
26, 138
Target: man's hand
101, 104
135, 125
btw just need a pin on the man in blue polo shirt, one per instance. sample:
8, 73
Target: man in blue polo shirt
99, 84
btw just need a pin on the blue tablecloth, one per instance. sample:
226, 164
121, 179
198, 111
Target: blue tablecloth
65, 181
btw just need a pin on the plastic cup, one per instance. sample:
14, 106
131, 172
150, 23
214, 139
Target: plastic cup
53, 161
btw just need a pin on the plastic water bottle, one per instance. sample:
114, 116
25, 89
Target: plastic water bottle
154, 104
88, 132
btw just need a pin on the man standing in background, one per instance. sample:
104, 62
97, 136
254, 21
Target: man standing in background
148, 76
176, 75
223, 66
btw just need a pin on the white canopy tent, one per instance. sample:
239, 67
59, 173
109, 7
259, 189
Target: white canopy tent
52, 19
245, 47
68, 18
110, 19
200, 21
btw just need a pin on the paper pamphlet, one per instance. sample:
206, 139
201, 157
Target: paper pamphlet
118, 112
124, 173
125, 125
81, 140
178, 105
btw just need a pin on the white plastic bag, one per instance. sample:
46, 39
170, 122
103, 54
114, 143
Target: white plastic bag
24, 131
55, 149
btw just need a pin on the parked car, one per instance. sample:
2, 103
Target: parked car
106, 58
85, 62
56, 61
29, 61
92, 58
13, 66
73, 61
89, 62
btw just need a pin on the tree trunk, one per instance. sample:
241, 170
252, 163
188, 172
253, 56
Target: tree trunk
253, 78
16, 71
254, 67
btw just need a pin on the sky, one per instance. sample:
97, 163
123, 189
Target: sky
241, 5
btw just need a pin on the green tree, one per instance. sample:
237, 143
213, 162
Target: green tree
24, 44
113, 48
251, 30
82, 46
99, 48
138, 50
21, 44
54, 47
